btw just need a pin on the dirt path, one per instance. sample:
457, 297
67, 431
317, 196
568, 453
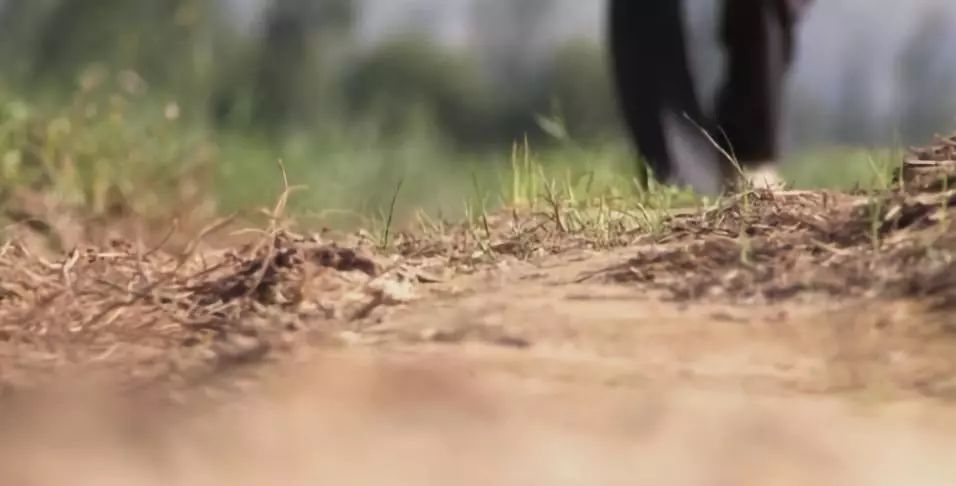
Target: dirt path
788, 338
540, 322
524, 375
520, 377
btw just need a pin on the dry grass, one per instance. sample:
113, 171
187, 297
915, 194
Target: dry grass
182, 315
781, 245
139, 316
186, 323
145, 315
754, 246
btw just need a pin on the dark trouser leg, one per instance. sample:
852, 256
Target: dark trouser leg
656, 92
759, 38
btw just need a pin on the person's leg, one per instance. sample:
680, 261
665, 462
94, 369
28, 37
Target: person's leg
656, 92
759, 38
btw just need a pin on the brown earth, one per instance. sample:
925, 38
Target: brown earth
779, 338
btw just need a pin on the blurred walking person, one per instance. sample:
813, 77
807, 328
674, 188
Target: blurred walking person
659, 104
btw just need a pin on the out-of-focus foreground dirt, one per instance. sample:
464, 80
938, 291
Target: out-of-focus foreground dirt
372, 420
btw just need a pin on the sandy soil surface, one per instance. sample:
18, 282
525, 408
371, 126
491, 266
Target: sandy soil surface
780, 338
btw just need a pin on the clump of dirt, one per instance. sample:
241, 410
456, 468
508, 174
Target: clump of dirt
768, 246
144, 316
930, 168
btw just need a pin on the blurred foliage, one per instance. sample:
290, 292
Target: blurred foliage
107, 151
139, 105
301, 70
135, 106
170, 43
926, 73
411, 77
582, 92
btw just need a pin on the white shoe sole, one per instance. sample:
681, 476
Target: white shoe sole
764, 177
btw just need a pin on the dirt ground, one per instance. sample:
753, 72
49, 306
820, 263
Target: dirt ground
777, 338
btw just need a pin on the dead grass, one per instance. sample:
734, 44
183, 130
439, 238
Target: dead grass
193, 322
781, 245
143, 315
751, 247
139, 316
768, 246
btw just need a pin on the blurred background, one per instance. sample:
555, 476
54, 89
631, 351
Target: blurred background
138, 106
